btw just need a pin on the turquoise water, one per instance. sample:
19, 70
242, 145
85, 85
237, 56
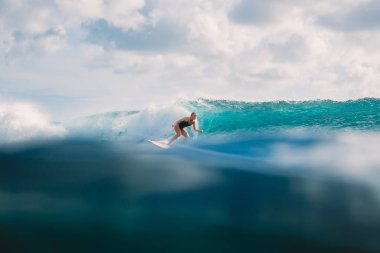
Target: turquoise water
229, 116
223, 117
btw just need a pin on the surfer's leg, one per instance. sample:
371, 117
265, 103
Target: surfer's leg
178, 134
185, 134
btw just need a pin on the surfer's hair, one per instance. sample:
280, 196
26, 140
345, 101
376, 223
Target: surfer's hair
193, 113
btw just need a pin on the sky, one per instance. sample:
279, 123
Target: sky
78, 57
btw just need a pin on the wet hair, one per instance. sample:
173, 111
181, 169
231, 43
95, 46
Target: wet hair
193, 113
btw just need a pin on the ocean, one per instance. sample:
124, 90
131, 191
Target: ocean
282, 176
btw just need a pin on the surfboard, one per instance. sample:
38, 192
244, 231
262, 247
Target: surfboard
160, 144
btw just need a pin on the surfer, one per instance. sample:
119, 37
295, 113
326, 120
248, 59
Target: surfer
179, 126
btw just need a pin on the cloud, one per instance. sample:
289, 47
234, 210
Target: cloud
252, 12
156, 50
132, 62
20, 43
35, 16
162, 36
119, 13
364, 17
293, 49
42, 26
30, 27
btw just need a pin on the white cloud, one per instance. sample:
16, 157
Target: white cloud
238, 49
135, 63
118, 12
363, 16
30, 27
20, 44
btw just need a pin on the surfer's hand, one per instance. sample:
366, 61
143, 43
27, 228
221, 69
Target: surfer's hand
200, 131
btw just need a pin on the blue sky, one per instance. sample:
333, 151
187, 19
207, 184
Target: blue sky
76, 57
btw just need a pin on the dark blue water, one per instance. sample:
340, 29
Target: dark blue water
264, 177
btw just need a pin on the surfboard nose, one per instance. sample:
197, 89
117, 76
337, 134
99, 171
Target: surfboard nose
160, 144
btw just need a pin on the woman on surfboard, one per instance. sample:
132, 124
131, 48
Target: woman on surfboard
179, 126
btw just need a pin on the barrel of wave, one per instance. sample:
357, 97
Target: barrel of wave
152, 122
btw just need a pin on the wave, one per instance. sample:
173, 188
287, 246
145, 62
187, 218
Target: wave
21, 122
227, 117
230, 116
252, 173
135, 199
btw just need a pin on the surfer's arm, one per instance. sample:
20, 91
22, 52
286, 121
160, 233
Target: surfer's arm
195, 128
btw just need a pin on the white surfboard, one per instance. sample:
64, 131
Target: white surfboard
160, 144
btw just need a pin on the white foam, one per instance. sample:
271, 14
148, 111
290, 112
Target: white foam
349, 153
153, 122
20, 122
